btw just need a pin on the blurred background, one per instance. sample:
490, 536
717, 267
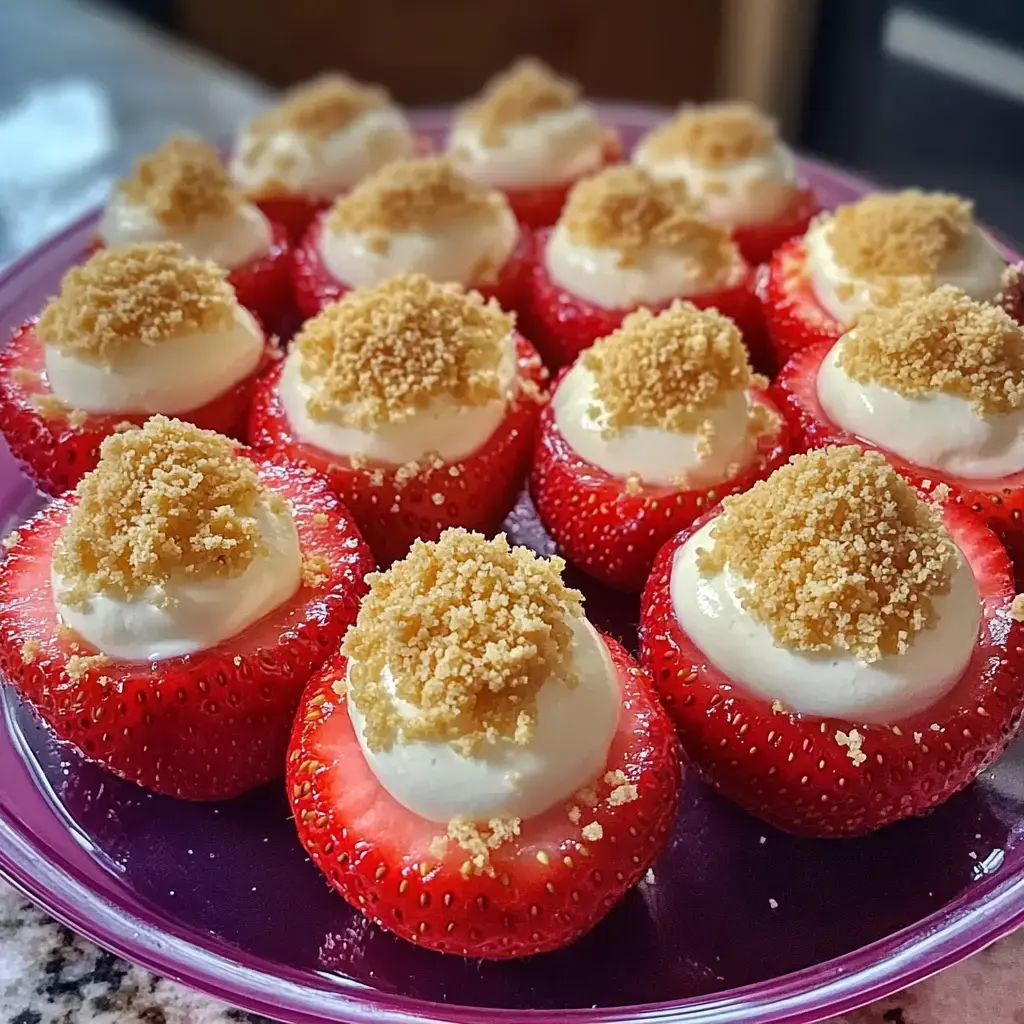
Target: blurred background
928, 93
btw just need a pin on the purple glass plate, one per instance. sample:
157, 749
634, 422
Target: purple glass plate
736, 922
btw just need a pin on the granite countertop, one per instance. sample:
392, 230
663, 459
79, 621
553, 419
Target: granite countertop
107, 90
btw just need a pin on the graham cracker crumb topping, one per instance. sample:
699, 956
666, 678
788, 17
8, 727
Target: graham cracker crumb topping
667, 370
182, 181
410, 195
942, 342
902, 234
165, 498
835, 551
134, 295
1017, 608
715, 135
624, 208
479, 842
30, 651
381, 354
469, 629
592, 832
852, 740
526, 91
320, 107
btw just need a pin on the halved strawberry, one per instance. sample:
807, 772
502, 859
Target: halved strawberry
608, 531
58, 447
793, 317
792, 770
204, 727
394, 505
264, 284
315, 286
540, 206
549, 885
1000, 502
292, 213
759, 241
562, 325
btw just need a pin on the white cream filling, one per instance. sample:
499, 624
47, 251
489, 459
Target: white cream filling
654, 276
976, 266
552, 149
174, 376
451, 252
657, 456
450, 430
184, 615
568, 750
832, 684
229, 241
322, 168
937, 431
749, 191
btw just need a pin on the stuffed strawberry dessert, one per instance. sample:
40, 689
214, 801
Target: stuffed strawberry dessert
732, 160
626, 239
874, 252
647, 430
316, 144
531, 135
837, 652
166, 616
419, 401
937, 385
480, 771
136, 330
413, 216
182, 193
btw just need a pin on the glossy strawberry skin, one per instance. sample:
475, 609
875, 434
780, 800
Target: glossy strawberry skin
264, 284
292, 214
793, 317
205, 727
1000, 503
550, 885
477, 492
789, 770
562, 325
56, 453
611, 534
314, 286
758, 242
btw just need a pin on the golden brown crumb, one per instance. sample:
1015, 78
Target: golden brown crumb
715, 135
593, 832
381, 354
623, 791
320, 518
944, 342
316, 570
1017, 608
470, 629
575, 814
78, 665
778, 708
478, 842
52, 408
181, 182
320, 107
134, 295
852, 740
164, 498
626, 209
666, 370
411, 195
835, 551
29, 651
634, 484
523, 93
587, 796
11, 539
900, 234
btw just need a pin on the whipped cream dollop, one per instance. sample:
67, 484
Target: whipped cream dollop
659, 457
451, 430
179, 374
938, 431
568, 750
832, 683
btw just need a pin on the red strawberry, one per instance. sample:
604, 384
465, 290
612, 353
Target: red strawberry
550, 884
292, 213
758, 242
540, 206
264, 285
394, 506
58, 448
791, 770
315, 286
204, 727
999, 502
563, 325
611, 533
793, 317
